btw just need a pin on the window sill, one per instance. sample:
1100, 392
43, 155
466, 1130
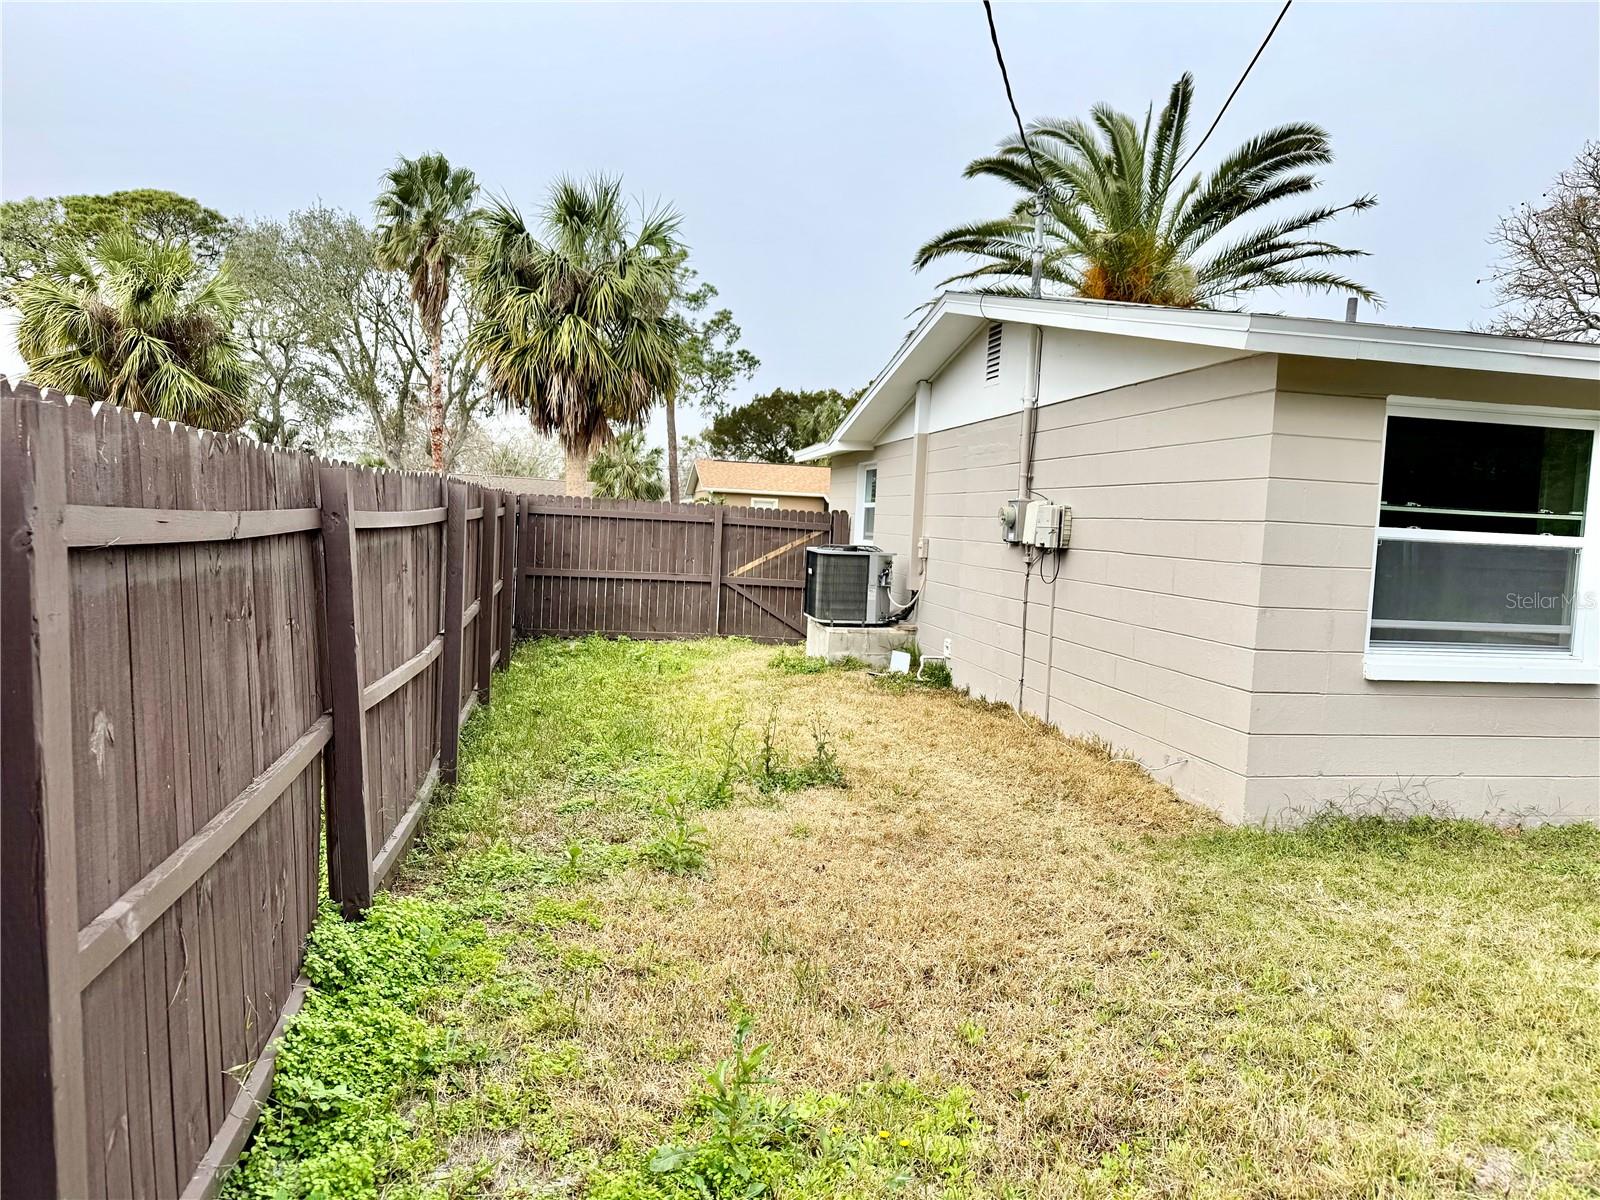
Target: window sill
1477, 668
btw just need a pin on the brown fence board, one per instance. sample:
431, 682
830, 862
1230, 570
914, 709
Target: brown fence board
198, 632
187, 622
658, 570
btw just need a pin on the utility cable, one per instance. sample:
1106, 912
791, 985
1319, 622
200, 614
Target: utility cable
1281, 14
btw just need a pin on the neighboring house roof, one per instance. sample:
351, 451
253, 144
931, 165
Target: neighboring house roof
758, 478
955, 316
526, 485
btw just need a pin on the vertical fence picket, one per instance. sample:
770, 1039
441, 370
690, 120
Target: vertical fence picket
349, 844
484, 626
455, 573
508, 574
43, 1030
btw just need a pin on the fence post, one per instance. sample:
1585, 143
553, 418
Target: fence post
719, 514
487, 524
45, 1118
508, 575
524, 621
455, 581
349, 840
839, 528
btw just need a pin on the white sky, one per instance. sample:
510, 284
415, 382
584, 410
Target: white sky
810, 148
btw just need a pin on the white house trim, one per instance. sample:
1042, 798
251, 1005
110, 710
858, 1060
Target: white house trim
957, 316
1500, 665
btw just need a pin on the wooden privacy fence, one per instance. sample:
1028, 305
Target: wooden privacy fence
194, 629
662, 570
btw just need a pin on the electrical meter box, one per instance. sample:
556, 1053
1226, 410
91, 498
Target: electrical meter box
1013, 517
1047, 526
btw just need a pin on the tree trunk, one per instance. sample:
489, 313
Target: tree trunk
435, 401
672, 449
578, 470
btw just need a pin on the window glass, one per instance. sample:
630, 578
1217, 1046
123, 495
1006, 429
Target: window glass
1455, 593
763, 502
869, 503
1485, 477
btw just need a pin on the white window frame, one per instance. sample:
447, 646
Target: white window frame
1495, 665
861, 501
763, 502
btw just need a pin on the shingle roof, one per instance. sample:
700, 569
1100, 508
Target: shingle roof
778, 479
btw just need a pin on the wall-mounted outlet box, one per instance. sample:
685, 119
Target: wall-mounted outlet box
1047, 526
947, 645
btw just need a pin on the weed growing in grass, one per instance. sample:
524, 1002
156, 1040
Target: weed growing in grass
681, 847
795, 661
332, 1127
936, 674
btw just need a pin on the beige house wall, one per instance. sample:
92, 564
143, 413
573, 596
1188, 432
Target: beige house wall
1320, 731
1210, 615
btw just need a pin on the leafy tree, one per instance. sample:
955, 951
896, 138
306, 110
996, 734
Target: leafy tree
424, 227
1120, 225
1548, 277
576, 328
710, 361
522, 453
337, 344
771, 427
34, 231
623, 469
139, 324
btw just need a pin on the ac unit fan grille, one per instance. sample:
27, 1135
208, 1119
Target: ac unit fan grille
836, 587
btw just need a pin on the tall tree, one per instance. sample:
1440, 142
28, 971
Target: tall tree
139, 324
710, 361
34, 231
1120, 225
623, 469
1548, 277
338, 346
771, 427
424, 227
575, 327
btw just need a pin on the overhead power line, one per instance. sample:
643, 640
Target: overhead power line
1281, 14
1005, 77
1036, 275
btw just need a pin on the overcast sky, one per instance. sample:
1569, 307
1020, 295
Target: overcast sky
809, 148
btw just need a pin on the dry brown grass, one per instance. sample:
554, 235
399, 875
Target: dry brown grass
1138, 1002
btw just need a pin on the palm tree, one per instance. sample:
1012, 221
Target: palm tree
136, 323
1120, 225
576, 328
424, 228
623, 469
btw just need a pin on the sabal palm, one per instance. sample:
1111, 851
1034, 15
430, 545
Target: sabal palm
139, 324
624, 470
574, 327
424, 229
1120, 225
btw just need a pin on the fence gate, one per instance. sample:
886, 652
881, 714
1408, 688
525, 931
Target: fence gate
660, 570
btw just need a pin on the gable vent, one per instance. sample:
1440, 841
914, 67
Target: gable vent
991, 367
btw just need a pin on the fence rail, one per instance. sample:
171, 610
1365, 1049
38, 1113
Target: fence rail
217, 659
661, 570
195, 631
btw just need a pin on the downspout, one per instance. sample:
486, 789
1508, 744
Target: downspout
917, 574
1030, 428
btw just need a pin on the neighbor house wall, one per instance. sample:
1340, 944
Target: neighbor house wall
742, 500
1320, 731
